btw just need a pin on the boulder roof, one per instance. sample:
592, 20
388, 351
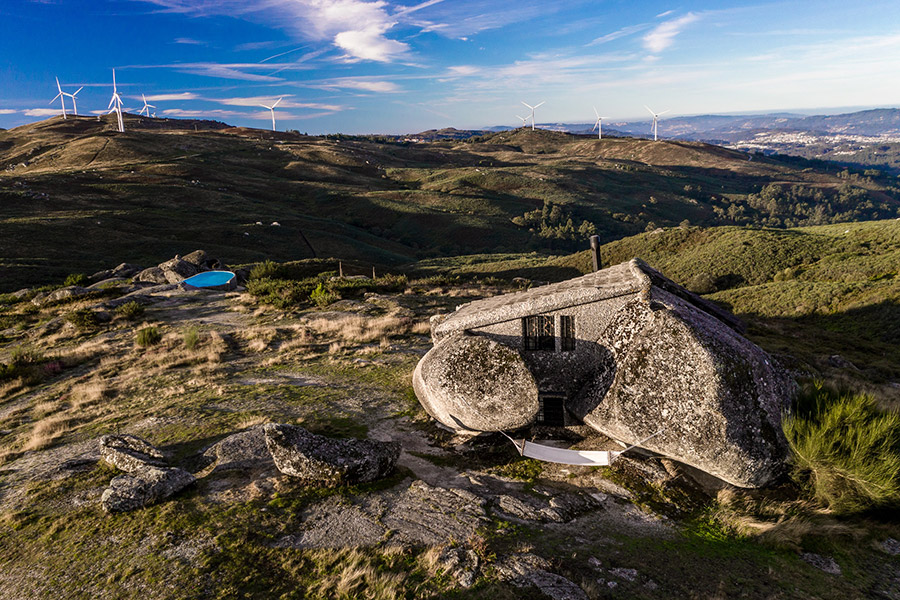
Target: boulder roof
627, 278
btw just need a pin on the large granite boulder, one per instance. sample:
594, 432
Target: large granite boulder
474, 383
179, 268
143, 487
715, 398
319, 460
123, 270
130, 453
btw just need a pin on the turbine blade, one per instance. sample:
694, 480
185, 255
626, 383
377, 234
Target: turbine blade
267, 107
595, 126
528, 105
663, 112
277, 101
544, 102
595, 111
650, 110
78, 90
57, 85
54, 98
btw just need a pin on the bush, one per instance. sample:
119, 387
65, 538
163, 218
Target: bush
280, 293
322, 297
846, 450
148, 336
130, 310
191, 338
75, 279
84, 319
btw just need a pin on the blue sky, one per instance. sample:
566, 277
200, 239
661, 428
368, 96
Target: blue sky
357, 66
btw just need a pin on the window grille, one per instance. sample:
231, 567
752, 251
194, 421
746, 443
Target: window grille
551, 411
538, 333
567, 332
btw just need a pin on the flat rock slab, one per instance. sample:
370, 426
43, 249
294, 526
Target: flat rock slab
336, 523
244, 450
130, 453
525, 570
319, 460
143, 487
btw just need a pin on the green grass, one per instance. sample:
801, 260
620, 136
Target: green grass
147, 336
130, 310
845, 449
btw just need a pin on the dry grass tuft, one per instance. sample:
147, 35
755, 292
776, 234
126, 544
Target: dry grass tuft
259, 338
46, 408
252, 421
90, 393
48, 431
359, 574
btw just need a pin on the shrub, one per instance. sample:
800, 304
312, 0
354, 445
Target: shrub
148, 336
191, 338
280, 293
846, 450
322, 297
75, 279
130, 310
84, 319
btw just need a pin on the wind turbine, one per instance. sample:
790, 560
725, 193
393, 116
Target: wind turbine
72, 96
532, 112
524, 120
146, 107
272, 108
62, 100
598, 124
115, 104
655, 125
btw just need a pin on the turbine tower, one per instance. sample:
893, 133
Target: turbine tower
115, 104
146, 107
524, 120
62, 100
272, 108
598, 124
532, 112
655, 125
72, 96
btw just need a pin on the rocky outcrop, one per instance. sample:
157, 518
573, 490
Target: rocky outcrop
142, 487
474, 383
66, 293
715, 398
244, 450
324, 461
524, 570
130, 453
178, 269
124, 270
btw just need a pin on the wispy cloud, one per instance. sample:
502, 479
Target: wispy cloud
41, 112
664, 34
172, 97
7, 111
188, 41
366, 85
620, 33
286, 102
239, 71
203, 114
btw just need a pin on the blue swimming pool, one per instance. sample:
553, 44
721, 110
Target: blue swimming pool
211, 279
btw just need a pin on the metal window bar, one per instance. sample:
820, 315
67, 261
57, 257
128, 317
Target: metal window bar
567, 332
538, 333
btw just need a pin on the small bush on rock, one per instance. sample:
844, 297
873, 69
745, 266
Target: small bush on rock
191, 338
846, 450
322, 297
84, 319
75, 279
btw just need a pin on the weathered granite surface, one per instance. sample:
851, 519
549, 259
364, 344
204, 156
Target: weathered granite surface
143, 487
324, 461
130, 453
243, 450
473, 383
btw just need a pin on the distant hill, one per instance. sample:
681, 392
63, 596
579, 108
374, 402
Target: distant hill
77, 196
447, 133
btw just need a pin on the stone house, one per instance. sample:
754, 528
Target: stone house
623, 349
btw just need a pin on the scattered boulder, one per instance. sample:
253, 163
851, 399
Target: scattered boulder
124, 270
179, 268
152, 275
109, 281
130, 453
461, 564
244, 450
143, 487
324, 461
202, 260
66, 293
527, 569
477, 383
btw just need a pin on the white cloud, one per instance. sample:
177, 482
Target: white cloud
664, 34
202, 114
463, 70
189, 41
172, 97
286, 102
370, 44
41, 112
625, 31
7, 111
366, 85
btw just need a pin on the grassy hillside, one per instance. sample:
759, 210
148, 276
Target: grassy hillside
76, 195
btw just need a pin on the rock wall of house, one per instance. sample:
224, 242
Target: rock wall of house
558, 371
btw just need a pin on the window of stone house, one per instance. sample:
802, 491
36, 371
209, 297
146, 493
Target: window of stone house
538, 333
551, 411
567, 332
